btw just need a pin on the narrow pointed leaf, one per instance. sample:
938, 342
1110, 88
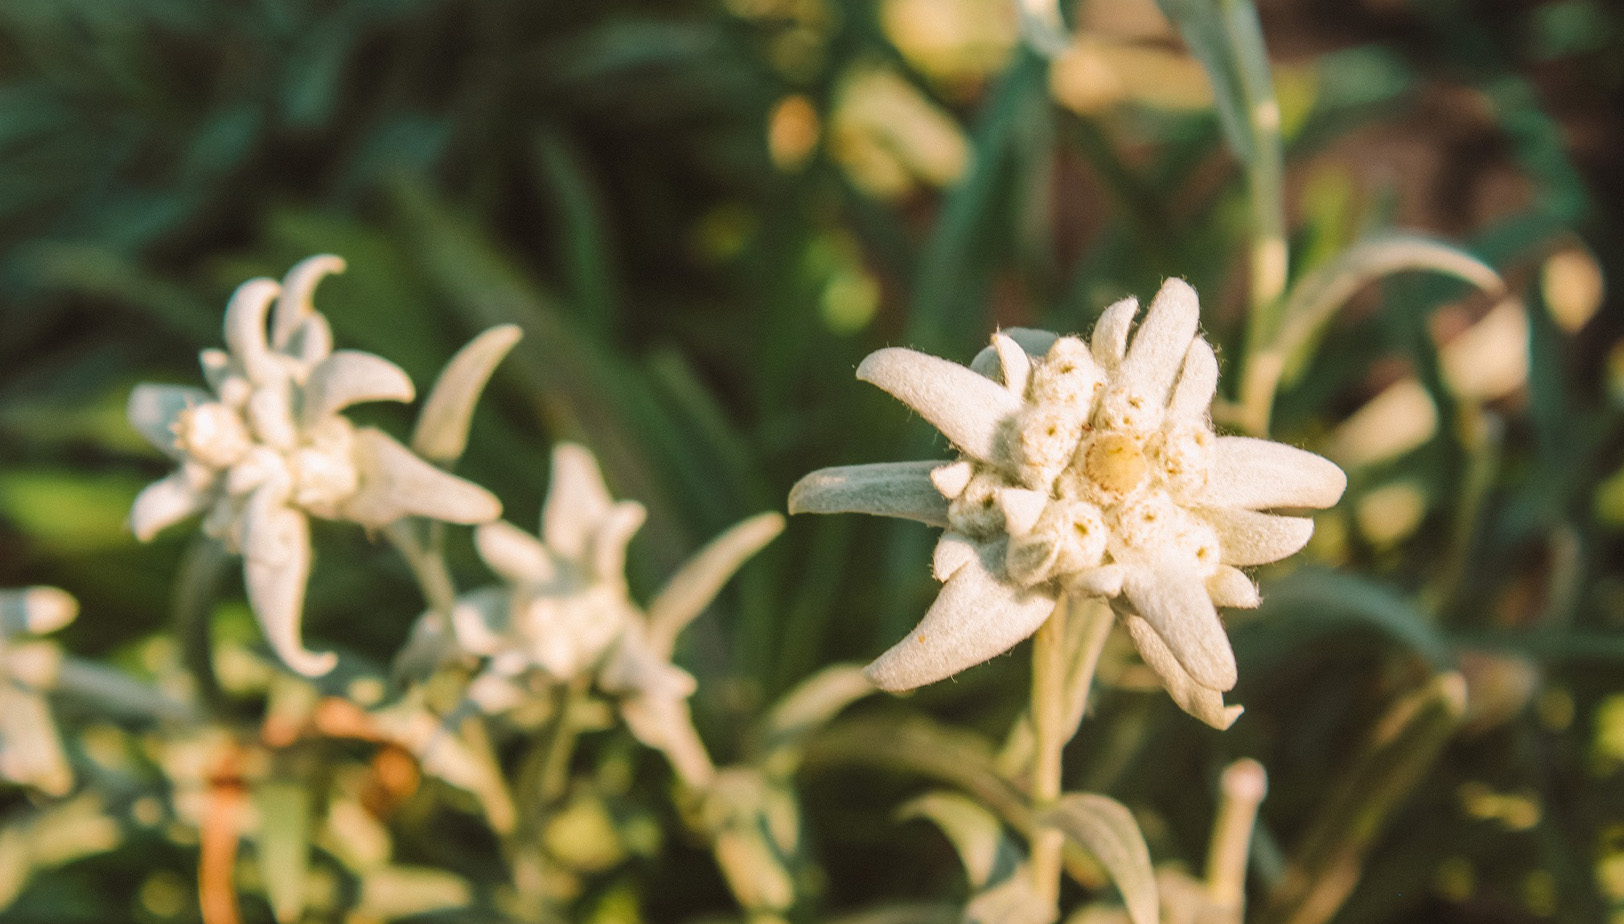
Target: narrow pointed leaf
885, 489
967, 408
1105, 828
700, 579
441, 434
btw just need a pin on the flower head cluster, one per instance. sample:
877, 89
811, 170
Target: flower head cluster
563, 612
30, 746
269, 447
1087, 468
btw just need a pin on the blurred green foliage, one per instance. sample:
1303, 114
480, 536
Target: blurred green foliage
703, 215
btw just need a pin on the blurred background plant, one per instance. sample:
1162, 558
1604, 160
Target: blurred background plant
702, 216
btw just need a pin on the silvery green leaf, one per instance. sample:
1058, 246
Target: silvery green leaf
1106, 829
812, 704
441, 434
352, 377
886, 489
284, 845
1015, 900
701, 578
977, 834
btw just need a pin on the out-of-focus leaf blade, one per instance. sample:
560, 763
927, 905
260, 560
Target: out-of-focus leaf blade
284, 845
1105, 828
985, 850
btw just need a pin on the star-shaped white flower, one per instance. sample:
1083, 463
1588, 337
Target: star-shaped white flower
563, 610
269, 447
30, 745
1087, 468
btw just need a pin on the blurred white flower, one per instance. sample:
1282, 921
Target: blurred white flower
269, 448
563, 611
1091, 469
30, 746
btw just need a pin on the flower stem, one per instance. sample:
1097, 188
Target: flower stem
427, 564
1048, 721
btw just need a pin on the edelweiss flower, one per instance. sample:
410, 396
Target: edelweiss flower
1091, 469
30, 747
564, 611
269, 448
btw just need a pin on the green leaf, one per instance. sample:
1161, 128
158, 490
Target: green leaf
1105, 828
1315, 299
987, 853
1329, 857
811, 705
1313, 602
70, 512
284, 845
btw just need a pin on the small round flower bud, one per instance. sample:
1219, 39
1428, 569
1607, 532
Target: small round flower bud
1067, 376
212, 434
975, 512
1128, 411
1046, 435
1150, 523
1184, 455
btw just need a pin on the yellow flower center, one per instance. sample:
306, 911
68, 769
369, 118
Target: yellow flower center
1115, 463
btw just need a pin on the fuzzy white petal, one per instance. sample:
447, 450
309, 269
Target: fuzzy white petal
352, 377
1110, 338
609, 540
1162, 339
1246, 537
1259, 474
634, 667
953, 551
515, 555
1104, 581
276, 568
441, 434
395, 483
969, 409
577, 500
701, 578
270, 416
1198, 383
1021, 509
295, 303
1202, 702
164, 503
1231, 587
152, 410
36, 610
951, 479
976, 617
1034, 341
885, 489
1170, 597
245, 330
1016, 365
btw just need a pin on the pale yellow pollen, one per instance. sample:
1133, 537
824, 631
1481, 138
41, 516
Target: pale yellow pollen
1115, 463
